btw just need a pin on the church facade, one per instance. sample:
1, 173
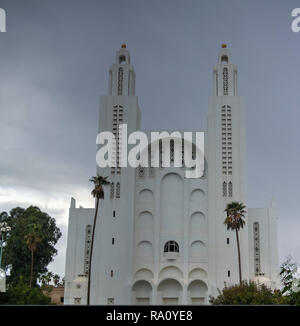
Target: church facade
160, 237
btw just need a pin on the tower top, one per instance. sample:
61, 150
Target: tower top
225, 74
123, 55
224, 55
122, 75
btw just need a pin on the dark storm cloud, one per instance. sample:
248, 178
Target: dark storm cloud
54, 62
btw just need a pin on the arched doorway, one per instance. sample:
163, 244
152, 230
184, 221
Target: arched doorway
197, 292
170, 292
142, 293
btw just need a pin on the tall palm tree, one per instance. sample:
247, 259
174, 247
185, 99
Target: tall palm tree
56, 279
235, 221
32, 239
98, 193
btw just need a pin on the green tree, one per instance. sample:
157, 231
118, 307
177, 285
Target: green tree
98, 193
43, 279
56, 280
33, 237
235, 221
49, 277
248, 293
22, 294
290, 281
34, 229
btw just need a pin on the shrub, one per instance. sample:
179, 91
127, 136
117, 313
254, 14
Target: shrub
248, 293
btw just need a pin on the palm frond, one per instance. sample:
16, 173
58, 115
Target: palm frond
235, 219
99, 181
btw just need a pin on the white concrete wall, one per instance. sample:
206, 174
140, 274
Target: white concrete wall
79, 218
268, 243
153, 209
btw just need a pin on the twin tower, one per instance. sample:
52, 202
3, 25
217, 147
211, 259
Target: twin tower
160, 237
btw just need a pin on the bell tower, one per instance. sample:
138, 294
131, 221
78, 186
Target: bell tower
227, 170
122, 75
225, 75
112, 268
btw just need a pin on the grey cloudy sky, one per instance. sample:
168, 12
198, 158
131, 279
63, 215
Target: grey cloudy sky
54, 61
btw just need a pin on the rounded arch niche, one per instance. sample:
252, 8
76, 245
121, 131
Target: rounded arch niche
198, 273
171, 203
145, 250
198, 249
170, 272
145, 222
197, 222
146, 195
197, 200
197, 290
142, 292
144, 273
170, 292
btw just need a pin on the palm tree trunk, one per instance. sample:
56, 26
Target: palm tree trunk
91, 253
239, 254
31, 269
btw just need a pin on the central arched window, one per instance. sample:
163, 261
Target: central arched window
122, 59
171, 246
224, 58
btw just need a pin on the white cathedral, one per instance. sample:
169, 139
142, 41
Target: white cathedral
160, 237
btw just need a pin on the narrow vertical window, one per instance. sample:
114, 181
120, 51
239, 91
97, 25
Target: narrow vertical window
120, 81
257, 268
151, 172
160, 153
111, 273
224, 189
112, 190
113, 241
114, 213
118, 190
225, 81
182, 153
141, 172
227, 240
228, 273
172, 150
88, 235
230, 189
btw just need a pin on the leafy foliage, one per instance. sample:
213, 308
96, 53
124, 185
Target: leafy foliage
248, 293
46, 279
288, 270
235, 216
290, 281
99, 182
31, 230
22, 294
